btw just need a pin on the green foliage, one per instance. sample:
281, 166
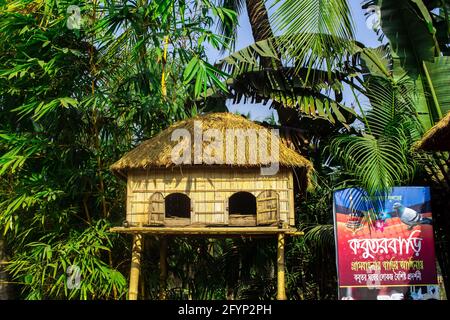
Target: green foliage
323, 24
437, 75
42, 267
226, 29
380, 157
200, 70
316, 98
376, 61
71, 103
311, 264
213, 268
398, 19
314, 91
412, 51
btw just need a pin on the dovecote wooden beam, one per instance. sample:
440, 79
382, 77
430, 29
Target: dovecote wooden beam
211, 231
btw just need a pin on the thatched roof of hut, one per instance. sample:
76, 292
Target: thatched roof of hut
157, 151
438, 137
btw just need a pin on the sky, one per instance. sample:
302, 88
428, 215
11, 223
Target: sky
259, 112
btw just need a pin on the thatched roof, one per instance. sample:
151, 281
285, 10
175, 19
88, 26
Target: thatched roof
438, 137
157, 151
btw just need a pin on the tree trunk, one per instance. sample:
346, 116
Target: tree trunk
261, 30
259, 20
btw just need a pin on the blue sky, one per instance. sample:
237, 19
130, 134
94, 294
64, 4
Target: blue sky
245, 38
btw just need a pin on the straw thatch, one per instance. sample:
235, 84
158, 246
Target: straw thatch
157, 151
438, 137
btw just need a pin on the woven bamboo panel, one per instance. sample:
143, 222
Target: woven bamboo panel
209, 190
156, 208
267, 207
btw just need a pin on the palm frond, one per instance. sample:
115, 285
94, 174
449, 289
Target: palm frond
286, 50
226, 29
380, 158
376, 61
320, 236
326, 28
312, 98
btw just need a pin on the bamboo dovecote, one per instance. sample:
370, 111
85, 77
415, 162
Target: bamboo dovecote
177, 184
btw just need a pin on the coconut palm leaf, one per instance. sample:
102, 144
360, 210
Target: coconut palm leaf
379, 157
226, 29
248, 58
376, 61
318, 97
285, 49
320, 236
326, 26
315, 92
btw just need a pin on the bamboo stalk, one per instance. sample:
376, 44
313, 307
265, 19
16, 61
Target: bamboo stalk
281, 286
135, 266
164, 61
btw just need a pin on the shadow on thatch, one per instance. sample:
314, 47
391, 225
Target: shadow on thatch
437, 138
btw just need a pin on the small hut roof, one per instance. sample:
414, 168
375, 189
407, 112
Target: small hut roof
157, 151
438, 137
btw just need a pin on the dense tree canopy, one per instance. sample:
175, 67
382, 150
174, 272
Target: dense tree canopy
83, 82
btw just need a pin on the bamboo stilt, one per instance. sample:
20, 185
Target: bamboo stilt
281, 286
135, 266
162, 268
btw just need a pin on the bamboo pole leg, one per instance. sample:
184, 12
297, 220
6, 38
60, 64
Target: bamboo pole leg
135, 266
162, 268
281, 286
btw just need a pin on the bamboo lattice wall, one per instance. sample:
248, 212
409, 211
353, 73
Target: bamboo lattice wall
209, 190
